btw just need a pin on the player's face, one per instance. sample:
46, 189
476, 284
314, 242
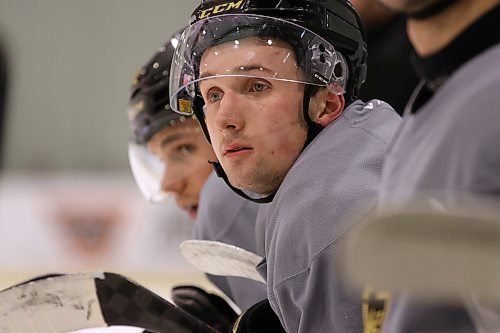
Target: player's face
255, 123
185, 152
409, 6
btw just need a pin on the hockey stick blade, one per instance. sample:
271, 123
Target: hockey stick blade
222, 259
432, 255
70, 302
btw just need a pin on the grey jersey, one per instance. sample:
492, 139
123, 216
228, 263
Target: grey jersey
333, 182
226, 217
450, 146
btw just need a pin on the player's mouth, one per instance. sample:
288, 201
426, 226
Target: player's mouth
236, 150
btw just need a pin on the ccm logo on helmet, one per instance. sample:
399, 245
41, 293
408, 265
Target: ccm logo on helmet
224, 7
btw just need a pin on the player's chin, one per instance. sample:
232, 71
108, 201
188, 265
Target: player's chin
249, 183
238, 178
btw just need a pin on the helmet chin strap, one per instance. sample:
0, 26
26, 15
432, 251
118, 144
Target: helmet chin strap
313, 129
430, 11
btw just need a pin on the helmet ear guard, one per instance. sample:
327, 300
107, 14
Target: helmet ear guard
330, 67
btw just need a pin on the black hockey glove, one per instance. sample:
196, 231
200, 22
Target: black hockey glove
260, 318
210, 308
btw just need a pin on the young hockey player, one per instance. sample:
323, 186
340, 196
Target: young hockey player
274, 85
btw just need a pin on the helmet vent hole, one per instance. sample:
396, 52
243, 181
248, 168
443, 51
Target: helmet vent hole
337, 71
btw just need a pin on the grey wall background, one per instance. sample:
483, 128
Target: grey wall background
70, 65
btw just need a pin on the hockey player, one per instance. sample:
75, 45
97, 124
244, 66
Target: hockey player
169, 155
274, 85
448, 142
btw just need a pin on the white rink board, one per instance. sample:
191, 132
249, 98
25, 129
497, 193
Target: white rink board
75, 222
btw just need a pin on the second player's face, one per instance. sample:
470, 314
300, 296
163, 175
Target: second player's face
255, 123
185, 152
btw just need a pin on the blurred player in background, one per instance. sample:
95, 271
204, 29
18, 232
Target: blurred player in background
448, 142
169, 156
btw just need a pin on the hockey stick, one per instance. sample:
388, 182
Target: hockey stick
69, 302
223, 259
433, 255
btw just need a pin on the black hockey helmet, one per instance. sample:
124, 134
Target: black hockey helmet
335, 21
148, 107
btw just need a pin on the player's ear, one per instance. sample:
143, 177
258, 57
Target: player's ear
326, 106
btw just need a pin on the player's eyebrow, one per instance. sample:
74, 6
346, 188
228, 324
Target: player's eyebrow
171, 138
240, 69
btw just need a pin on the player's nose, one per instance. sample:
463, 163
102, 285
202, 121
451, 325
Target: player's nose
229, 115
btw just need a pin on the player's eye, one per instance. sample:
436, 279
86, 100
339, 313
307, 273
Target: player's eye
186, 149
215, 96
180, 152
258, 87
